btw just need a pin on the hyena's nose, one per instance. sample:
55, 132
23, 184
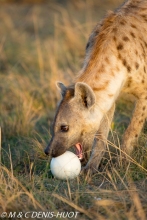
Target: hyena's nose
46, 151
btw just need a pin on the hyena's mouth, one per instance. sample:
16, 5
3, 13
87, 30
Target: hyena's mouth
79, 151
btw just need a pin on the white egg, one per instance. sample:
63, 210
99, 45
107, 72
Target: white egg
66, 166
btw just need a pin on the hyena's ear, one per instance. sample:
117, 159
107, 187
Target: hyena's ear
62, 88
84, 94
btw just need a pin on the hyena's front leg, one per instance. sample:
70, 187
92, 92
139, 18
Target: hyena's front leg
100, 142
136, 124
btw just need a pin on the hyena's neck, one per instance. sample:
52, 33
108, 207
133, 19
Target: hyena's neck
104, 68
105, 80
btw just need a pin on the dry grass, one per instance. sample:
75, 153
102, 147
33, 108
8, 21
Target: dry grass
40, 44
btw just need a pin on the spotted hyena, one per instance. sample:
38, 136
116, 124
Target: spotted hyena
115, 61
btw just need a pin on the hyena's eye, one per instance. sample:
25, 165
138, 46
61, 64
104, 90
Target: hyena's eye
64, 128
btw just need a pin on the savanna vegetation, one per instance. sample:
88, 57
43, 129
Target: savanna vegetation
40, 44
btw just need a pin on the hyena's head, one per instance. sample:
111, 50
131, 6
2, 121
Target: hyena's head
75, 123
